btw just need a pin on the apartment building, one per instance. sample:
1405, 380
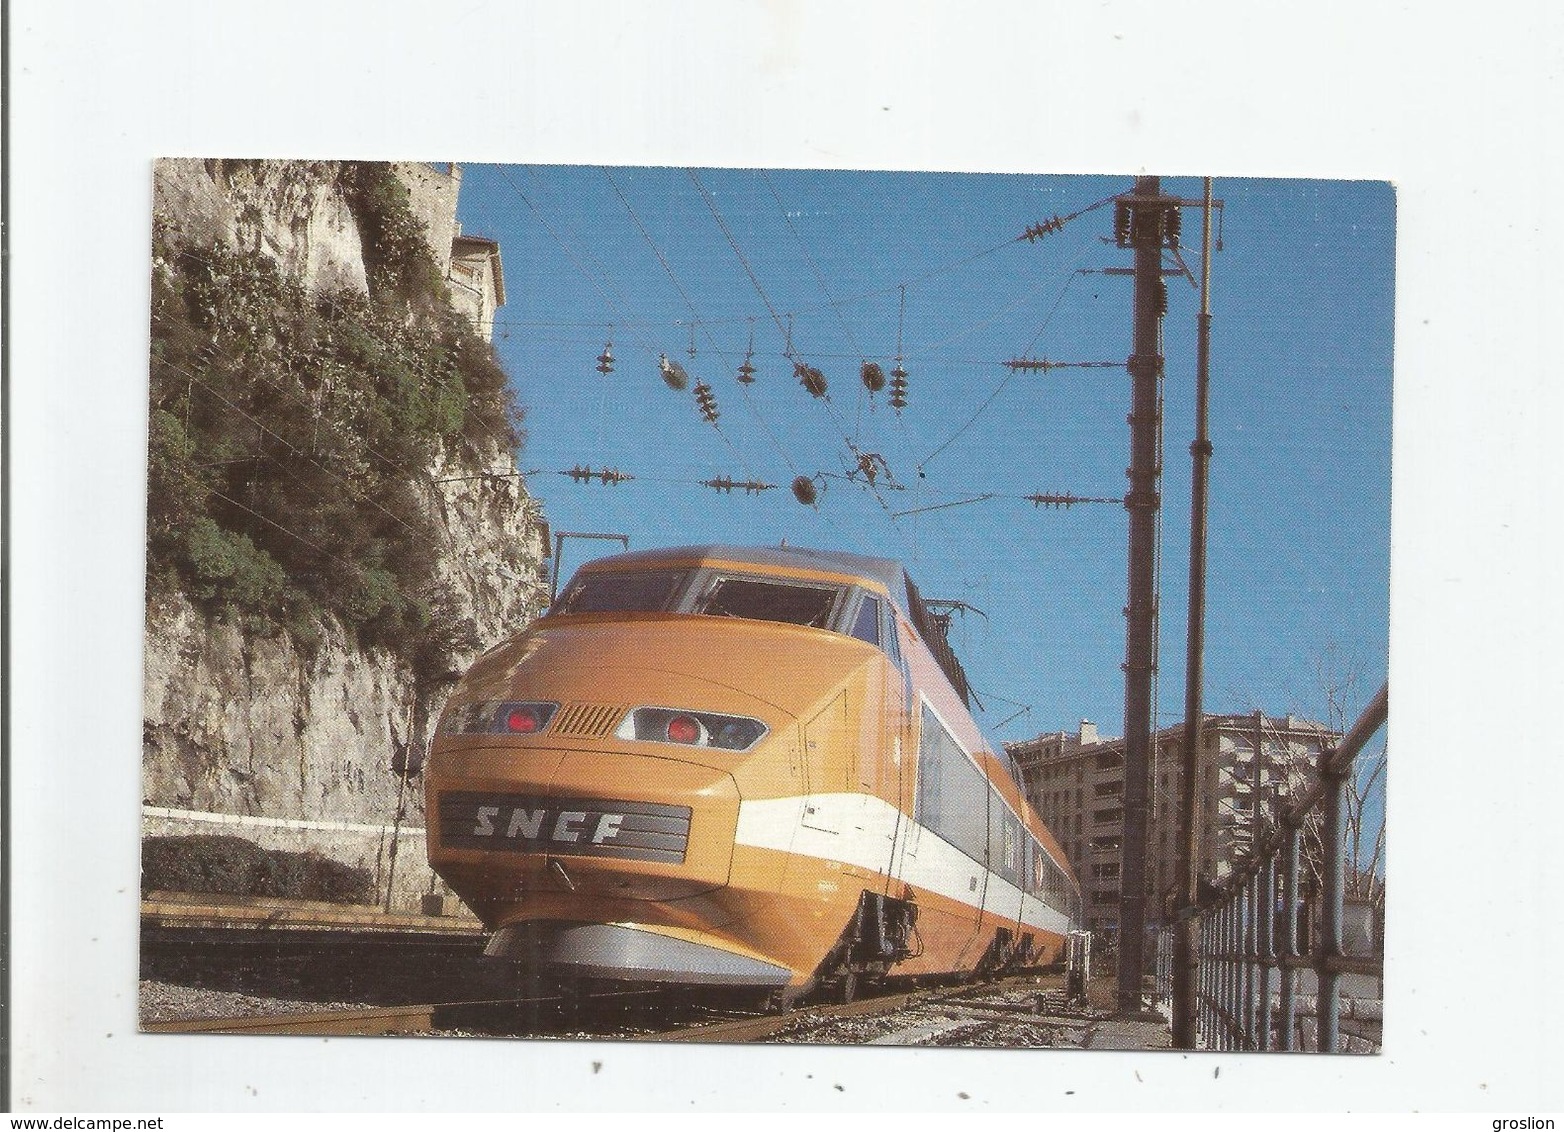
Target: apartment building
1075, 781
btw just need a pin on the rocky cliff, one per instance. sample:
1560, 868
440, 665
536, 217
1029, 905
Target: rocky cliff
276, 702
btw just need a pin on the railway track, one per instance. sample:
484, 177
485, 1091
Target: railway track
539, 1016
291, 970
1024, 1010
1021, 1010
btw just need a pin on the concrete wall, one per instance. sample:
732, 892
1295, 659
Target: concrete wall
433, 194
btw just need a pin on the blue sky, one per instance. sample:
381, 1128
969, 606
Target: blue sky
1302, 296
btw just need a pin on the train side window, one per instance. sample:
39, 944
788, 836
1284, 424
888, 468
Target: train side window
866, 626
953, 796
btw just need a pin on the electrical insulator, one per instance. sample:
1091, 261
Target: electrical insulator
707, 402
1175, 226
747, 369
673, 373
873, 377
804, 491
1052, 500
726, 484
810, 378
1160, 301
606, 475
1043, 227
1122, 219
605, 360
898, 388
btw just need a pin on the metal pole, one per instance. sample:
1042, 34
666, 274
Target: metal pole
1251, 962
1234, 972
401, 799
1267, 943
1328, 1009
559, 549
1146, 215
1256, 771
1239, 969
396, 836
1203, 998
1290, 950
1186, 959
1219, 976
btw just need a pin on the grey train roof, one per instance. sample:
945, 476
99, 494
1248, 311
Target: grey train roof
887, 571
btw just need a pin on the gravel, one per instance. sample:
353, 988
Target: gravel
171, 1002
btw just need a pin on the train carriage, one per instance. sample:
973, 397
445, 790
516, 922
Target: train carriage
745, 767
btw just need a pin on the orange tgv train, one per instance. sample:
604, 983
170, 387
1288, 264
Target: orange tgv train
741, 767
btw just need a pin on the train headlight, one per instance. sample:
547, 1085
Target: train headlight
498, 717
691, 728
684, 729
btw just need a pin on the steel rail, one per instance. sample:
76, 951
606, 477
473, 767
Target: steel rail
336, 1023
214, 912
351, 1021
765, 1026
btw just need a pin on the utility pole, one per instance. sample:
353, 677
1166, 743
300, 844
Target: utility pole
1186, 937
1146, 221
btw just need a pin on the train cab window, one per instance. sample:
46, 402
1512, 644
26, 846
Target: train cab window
866, 626
637, 591
788, 602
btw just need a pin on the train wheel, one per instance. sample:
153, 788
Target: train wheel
783, 1000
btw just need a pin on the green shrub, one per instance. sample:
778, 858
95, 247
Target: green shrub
231, 866
228, 562
289, 436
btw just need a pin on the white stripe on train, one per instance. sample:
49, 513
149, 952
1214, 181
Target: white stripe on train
867, 831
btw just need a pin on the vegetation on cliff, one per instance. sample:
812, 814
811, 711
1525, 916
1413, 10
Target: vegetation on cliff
291, 436
232, 866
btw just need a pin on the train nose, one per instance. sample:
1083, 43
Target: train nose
676, 833
589, 822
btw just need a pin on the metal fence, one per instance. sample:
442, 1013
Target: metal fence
1256, 962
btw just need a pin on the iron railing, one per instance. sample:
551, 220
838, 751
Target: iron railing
1252, 953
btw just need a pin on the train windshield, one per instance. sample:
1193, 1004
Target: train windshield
793, 603
638, 591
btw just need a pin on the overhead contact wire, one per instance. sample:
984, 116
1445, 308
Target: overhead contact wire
1009, 377
695, 314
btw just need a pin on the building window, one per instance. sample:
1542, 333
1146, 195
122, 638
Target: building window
1106, 816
